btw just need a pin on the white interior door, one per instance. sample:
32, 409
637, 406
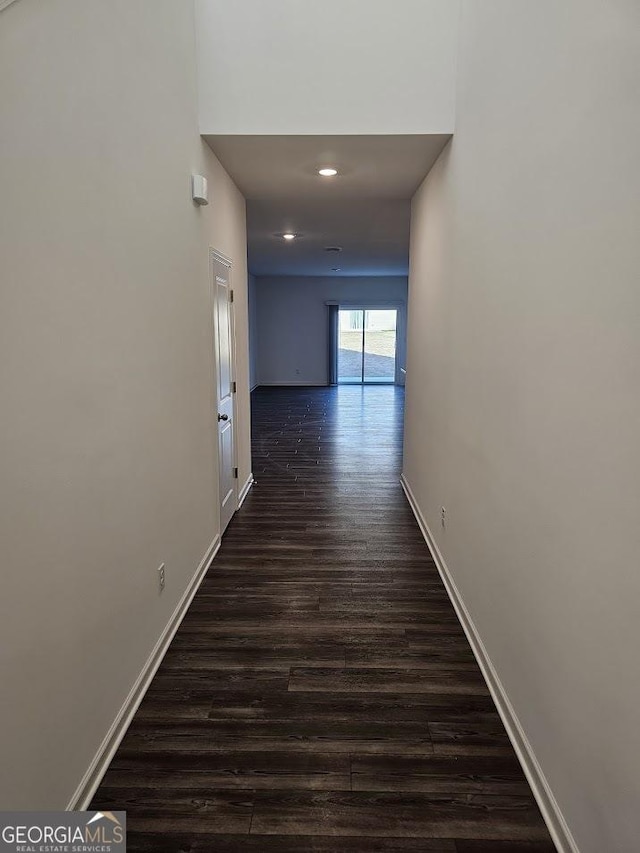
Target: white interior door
224, 391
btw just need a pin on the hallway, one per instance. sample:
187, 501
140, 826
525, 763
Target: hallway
320, 685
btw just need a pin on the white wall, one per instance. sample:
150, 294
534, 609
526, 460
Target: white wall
326, 66
253, 332
523, 404
292, 322
107, 433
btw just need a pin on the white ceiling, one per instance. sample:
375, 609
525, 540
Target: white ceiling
365, 209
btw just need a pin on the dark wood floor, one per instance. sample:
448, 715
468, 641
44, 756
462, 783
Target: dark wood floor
320, 694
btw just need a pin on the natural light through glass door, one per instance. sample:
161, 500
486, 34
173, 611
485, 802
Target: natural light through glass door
367, 345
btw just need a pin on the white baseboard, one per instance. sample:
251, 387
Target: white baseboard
103, 757
244, 491
547, 803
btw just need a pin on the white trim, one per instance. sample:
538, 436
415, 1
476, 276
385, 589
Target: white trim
553, 817
218, 256
107, 749
244, 491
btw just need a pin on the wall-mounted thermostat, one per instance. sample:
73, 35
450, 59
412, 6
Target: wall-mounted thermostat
199, 189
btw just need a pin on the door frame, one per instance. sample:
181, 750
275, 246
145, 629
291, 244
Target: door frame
216, 255
401, 322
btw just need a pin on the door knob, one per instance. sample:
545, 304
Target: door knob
223, 417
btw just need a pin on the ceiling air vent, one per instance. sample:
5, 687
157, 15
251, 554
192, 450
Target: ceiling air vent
333, 249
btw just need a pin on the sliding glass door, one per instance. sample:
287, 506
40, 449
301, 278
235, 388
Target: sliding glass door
380, 346
367, 345
350, 345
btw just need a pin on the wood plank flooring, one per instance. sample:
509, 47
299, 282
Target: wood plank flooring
320, 694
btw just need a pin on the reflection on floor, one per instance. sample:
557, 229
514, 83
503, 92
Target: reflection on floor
320, 694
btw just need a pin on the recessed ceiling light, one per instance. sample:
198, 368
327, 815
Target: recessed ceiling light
289, 236
328, 172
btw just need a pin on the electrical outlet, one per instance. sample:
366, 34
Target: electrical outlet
443, 516
161, 577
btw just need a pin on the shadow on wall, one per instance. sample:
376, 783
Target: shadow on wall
375, 366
